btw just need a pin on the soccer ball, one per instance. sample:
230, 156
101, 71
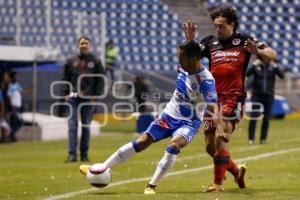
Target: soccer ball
99, 175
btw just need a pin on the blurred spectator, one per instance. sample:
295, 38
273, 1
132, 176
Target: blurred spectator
111, 55
4, 127
141, 92
262, 89
5, 79
83, 93
15, 96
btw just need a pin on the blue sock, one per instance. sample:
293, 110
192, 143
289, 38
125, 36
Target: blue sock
136, 146
172, 150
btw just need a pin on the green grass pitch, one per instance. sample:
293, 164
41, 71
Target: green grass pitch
35, 170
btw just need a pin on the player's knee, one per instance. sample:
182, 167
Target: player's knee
228, 126
227, 131
178, 143
175, 145
225, 137
143, 142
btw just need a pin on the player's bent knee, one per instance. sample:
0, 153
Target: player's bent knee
178, 143
225, 137
228, 127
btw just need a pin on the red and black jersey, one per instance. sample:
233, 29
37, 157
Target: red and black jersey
228, 61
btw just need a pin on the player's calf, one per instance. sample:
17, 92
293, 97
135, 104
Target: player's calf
143, 142
210, 150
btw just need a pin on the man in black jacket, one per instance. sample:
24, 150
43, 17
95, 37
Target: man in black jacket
264, 74
80, 72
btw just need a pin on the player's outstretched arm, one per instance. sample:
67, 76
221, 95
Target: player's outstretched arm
190, 30
267, 53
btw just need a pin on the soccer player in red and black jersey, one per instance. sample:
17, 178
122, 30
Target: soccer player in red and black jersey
229, 53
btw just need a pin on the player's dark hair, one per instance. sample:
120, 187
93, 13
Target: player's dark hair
83, 37
192, 49
228, 12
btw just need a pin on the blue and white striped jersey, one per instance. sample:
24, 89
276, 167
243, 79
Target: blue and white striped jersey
191, 95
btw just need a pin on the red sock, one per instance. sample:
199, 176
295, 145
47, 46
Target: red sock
221, 159
232, 168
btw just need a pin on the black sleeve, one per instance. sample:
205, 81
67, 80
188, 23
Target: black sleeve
65, 89
250, 71
279, 72
99, 84
204, 45
259, 44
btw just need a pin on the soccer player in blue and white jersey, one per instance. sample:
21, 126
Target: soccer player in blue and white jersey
195, 92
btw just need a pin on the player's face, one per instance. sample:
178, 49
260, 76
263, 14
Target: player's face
84, 46
223, 29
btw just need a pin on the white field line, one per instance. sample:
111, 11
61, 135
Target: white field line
198, 169
201, 155
289, 140
233, 151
